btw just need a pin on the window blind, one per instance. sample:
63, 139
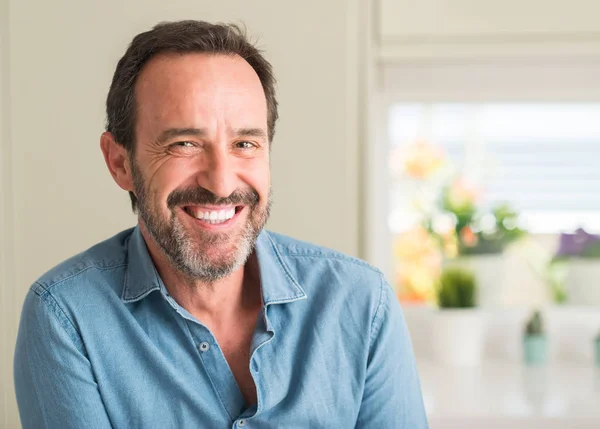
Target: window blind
542, 158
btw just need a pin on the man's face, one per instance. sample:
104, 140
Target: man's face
201, 164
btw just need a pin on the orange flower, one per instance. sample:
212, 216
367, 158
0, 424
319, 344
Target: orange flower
423, 159
419, 263
468, 237
463, 193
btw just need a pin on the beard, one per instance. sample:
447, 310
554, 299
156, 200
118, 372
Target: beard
197, 254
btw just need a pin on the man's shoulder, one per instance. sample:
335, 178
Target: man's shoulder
311, 256
105, 255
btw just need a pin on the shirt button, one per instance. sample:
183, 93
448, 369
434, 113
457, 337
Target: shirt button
204, 346
241, 423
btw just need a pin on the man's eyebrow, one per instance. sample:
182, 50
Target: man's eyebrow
201, 132
178, 132
251, 132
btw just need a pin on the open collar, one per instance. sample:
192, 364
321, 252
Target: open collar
278, 285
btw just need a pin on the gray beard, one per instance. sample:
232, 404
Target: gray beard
184, 252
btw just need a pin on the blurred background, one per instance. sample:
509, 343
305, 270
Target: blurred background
454, 145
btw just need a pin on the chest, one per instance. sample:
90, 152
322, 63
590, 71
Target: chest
156, 375
237, 355
235, 343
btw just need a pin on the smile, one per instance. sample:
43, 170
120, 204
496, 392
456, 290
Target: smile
213, 216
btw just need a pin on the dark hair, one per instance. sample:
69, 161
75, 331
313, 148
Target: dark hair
179, 37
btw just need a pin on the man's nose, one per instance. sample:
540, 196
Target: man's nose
219, 176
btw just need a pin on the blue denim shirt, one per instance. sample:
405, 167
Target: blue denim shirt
101, 344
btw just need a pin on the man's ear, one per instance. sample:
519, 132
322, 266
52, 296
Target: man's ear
117, 161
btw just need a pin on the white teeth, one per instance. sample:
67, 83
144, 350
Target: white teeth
214, 217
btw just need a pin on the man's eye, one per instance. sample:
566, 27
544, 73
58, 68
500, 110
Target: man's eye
245, 145
183, 144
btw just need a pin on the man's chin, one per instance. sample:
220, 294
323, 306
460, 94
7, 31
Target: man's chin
215, 246
217, 253
215, 262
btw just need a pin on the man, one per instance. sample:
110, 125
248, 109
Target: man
197, 317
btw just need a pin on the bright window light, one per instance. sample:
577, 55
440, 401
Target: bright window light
542, 159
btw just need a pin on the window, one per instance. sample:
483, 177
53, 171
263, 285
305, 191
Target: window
541, 158
527, 130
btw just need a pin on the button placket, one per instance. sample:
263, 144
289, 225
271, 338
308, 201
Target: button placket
217, 370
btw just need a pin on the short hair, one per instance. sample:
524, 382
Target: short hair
182, 37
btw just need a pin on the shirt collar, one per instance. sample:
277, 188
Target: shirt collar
278, 285
141, 276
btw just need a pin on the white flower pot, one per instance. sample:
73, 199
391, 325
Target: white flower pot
583, 282
457, 336
490, 272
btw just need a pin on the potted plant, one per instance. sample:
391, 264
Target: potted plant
449, 225
579, 254
457, 337
481, 237
535, 343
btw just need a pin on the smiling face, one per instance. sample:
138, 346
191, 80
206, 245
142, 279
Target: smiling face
201, 164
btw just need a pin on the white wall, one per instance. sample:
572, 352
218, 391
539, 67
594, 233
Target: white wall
65, 199
61, 58
8, 304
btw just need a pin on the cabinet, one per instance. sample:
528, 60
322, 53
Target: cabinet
429, 29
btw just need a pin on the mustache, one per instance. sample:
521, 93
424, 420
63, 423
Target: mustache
200, 196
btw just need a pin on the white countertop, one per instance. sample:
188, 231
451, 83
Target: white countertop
498, 394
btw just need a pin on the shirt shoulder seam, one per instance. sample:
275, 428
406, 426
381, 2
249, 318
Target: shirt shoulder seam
41, 287
376, 322
335, 257
63, 320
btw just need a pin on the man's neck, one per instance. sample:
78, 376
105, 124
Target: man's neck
215, 304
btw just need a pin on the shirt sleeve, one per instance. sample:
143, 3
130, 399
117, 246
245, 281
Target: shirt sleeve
392, 395
54, 381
